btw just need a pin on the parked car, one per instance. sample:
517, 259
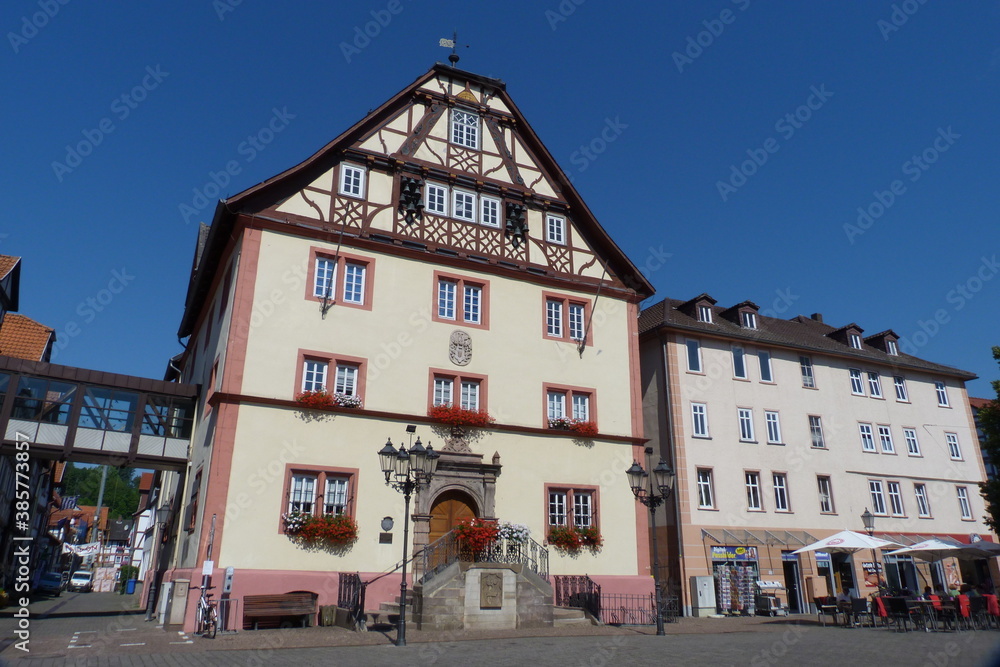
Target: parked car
50, 583
80, 581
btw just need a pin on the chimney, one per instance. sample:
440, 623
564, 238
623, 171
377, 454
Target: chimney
817, 316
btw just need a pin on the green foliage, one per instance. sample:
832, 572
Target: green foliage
121, 489
989, 419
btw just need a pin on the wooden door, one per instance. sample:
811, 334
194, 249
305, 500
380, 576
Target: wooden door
448, 510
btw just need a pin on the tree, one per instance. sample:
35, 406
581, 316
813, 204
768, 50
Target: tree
121, 489
989, 420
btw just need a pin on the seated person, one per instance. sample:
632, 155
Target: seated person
844, 600
969, 591
927, 593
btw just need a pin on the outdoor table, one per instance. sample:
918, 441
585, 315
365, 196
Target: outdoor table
927, 612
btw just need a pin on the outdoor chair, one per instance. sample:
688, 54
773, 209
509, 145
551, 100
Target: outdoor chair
945, 611
880, 611
918, 614
964, 614
860, 610
899, 613
992, 610
826, 606
977, 613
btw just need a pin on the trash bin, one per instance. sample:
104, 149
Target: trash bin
130, 587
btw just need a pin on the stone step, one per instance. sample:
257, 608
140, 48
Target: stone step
563, 616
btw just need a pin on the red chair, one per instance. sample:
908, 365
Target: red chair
963, 612
880, 611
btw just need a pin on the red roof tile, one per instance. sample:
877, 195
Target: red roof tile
23, 338
7, 263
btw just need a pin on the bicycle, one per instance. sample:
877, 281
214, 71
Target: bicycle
207, 616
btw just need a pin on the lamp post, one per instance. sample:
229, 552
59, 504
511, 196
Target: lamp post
407, 471
652, 491
868, 519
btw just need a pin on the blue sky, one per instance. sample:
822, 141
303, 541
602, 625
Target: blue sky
727, 146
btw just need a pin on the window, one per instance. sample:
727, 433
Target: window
923, 504
468, 389
953, 449
857, 386
555, 229
816, 432
752, 480
193, 504
463, 205
780, 481
874, 385
341, 276
855, 340
302, 494
471, 310
885, 439
765, 366
464, 128
773, 427
705, 314
569, 403
489, 211
942, 394
314, 375
352, 180
566, 319
739, 363
319, 492
581, 501
867, 441
346, 381
900, 385
693, 355
890, 345
895, 499
825, 494
436, 199
878, 499
699, 420
912, 446
963, 502
746, 424
808, 379
748, 319
706, 494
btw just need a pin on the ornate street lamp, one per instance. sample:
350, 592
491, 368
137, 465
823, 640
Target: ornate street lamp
407, 471
868, 519
652, 491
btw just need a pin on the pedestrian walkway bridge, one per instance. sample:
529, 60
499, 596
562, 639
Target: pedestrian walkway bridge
88, 416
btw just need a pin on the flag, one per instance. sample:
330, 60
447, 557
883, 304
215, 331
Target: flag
446, 43
68, 503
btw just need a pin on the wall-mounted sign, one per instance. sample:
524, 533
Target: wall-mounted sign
734, 553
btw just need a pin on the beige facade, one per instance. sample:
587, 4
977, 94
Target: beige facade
782, 448
499, 288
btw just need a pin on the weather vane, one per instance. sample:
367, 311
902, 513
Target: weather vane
452, 44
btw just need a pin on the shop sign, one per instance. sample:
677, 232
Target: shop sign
822, 557
734, 553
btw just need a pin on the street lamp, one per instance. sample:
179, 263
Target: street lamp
868, 519
652, 492
407, 471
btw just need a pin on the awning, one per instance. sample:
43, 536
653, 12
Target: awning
794, 539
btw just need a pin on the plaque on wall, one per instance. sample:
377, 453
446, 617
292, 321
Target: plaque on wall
460, 348
491, 590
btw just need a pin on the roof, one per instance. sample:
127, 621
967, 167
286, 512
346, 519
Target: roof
85, 512
23, 338
7, 264
10, 282
979, 403
290, 181
799, 332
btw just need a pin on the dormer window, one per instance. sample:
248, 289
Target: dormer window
891, 348
705, 314
464, 129
748, 319
855, 340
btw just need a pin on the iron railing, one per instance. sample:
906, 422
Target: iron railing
227, 609
637, 609
441, 553
351, 595
578, 591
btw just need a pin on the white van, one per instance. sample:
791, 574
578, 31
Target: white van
80, 581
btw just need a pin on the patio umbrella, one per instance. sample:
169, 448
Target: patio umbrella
981, 549
847, 542
935, 549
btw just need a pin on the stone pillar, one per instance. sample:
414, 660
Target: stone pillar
421, 531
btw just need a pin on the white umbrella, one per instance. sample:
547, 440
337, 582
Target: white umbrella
981, 549
935, 549
847, 542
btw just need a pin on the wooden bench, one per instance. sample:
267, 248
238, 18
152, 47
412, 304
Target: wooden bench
289, 604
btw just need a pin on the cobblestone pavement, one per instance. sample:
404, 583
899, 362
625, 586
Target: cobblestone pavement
106, 630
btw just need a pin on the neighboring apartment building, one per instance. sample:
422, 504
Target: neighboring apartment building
783, 432
434, 253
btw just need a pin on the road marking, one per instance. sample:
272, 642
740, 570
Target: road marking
126, 629
190, 641
134, 644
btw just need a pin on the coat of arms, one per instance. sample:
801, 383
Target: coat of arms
460, 348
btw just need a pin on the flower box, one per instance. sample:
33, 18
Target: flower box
570, 540
457, 416
334, 530
323, 399
587, 429
475, 536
